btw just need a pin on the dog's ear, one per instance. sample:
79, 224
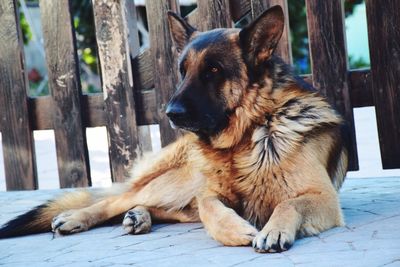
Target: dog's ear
260, 38
180, 30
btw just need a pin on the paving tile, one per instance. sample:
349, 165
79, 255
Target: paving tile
370, 238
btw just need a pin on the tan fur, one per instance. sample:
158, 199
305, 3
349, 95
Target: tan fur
270, 175
282, 197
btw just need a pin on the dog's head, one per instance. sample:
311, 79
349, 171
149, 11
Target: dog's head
216, 68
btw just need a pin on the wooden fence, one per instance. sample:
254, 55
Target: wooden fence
137, 85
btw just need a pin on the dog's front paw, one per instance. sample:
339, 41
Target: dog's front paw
233, 234
238, 236
273, 240
137, 221
70, 222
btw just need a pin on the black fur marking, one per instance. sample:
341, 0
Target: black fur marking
280, 114
200, 90
304, 85
284, 180
22, 225
260, 163
276, 246
268, 117
272, 149
204, 40
287, 245
291, 102
341, 141
306, 109
295, 117
302, 116
345, 135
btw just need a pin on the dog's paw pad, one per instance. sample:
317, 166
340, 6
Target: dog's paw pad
137, 222
272, 241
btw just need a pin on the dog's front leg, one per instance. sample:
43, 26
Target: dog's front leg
224, 224
308, 214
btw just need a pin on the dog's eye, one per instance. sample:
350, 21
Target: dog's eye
214, 69
182, 71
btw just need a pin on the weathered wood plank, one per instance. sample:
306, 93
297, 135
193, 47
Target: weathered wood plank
164, 59
284, 49
240, 8
93, 110
40, 113
94, 115
134, 47
147, 110
360, 86
117, 83
213, 14
329, 60
143, 71
65, 90
17, 138
384, 46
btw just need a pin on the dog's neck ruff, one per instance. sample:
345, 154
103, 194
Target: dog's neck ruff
280, 94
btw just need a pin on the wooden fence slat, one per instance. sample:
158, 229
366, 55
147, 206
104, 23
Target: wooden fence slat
361, 88
384, 45
329, 60
134, 48
117, 83
17, 137
284, 49
239, 9
65, 89
142, 68
165, 66
213, 14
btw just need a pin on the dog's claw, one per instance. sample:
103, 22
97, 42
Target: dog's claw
273, 241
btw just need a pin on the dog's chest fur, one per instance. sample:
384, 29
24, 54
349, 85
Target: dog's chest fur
262, 166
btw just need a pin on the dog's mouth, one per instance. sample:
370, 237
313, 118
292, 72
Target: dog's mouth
190, 128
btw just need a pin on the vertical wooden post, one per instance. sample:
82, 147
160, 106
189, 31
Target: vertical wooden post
17, 137
284, 48
117, 82
384, 48
65, 89
165, 65
329, 60
213, 14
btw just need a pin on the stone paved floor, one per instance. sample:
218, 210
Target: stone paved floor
371, 238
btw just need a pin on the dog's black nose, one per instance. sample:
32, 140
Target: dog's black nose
175, 111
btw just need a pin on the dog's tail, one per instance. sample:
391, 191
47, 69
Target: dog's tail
38, 219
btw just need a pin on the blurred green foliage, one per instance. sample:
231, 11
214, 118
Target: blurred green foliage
357, 63
85, 32
299, 35
26, 30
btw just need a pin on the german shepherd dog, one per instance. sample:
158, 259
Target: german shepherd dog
260, 163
